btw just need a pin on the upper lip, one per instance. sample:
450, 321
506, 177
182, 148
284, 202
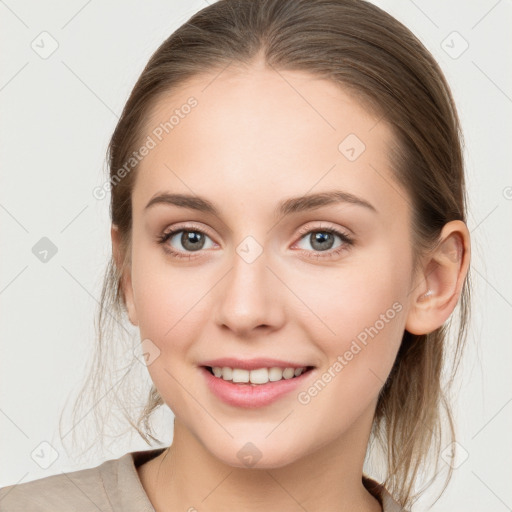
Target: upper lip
252, 364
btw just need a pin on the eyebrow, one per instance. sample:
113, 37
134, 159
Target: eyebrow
286, 207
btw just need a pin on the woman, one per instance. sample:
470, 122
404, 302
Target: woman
289, 238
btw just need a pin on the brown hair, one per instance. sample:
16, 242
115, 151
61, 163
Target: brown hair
373, 56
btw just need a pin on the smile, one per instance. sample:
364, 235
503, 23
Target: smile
256, 377
254, 388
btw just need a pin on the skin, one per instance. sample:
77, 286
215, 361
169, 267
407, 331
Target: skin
251, 142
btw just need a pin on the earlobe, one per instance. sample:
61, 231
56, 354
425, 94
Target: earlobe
436, 293
126, 282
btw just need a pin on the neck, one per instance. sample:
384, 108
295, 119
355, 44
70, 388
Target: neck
187, 476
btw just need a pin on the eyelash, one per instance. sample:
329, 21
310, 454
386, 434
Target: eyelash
346, 239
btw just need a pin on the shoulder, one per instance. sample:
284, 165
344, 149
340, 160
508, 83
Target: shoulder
113, 485
81, 490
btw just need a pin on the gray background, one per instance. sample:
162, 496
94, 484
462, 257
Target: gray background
57, 114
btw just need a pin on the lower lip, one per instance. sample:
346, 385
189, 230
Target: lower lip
247, 395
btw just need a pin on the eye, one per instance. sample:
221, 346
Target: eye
321, 239
194, 239
191, 238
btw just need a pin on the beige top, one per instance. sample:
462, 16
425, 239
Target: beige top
113, 486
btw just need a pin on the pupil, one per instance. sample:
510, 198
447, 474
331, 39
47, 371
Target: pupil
192, 240
322, 239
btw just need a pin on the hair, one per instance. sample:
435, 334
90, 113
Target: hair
374, 57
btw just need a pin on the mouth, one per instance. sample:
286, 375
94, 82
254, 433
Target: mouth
258, 376
257, 387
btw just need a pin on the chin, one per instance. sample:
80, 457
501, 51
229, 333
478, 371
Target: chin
256, 455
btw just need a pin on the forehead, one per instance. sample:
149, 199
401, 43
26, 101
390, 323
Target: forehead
272, 133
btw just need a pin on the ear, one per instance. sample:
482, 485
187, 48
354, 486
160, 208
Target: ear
439, 284
126, 281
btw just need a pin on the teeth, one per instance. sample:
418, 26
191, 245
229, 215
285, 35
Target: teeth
258, 376
240, 375
288, 373
275, 374
227, 373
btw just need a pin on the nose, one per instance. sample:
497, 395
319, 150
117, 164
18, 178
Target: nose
250, 297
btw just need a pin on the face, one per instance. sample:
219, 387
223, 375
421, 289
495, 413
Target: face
258, 275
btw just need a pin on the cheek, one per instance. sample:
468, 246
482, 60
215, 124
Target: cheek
365, 318
351, 297
164, 298
361, 308
169, 311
